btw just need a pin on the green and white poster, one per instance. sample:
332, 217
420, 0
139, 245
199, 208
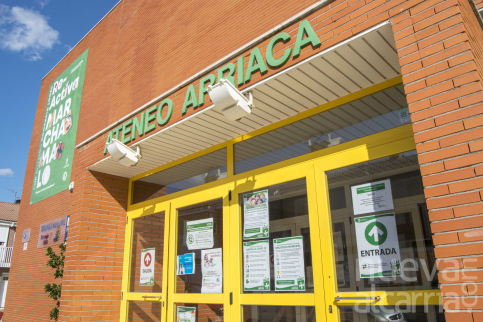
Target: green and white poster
289, 264
256, 220
372, 197
57, 141
256, 262
378, 246
199, 234
185, 314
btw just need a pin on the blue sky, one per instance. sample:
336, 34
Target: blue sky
34, 36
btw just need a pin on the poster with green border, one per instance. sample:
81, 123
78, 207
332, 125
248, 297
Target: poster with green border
288, 258
378, 246
256, 263
256, 217
59, 130
185, 314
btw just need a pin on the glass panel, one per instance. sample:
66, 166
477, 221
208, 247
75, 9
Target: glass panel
381, 232
205, 239
148, 246
372, 114
199, 312
259, 313
207, 168
141, 311
367, 313
288, 216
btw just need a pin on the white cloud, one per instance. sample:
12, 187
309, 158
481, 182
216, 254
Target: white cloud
43, 3
27, 31
6, 172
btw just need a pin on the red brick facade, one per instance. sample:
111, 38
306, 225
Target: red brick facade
142, 49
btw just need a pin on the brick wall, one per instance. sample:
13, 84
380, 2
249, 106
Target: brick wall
91, 288
438, 54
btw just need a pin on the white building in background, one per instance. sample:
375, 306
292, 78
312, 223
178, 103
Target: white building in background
8, 226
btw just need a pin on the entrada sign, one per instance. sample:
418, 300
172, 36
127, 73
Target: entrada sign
153, 116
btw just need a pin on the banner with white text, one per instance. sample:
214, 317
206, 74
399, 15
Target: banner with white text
57, 141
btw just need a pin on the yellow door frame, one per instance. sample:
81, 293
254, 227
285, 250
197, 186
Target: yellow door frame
199, 197
126, 271
313, 167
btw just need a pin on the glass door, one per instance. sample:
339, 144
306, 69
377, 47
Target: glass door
276, 262
145, 266
378, 254
199, 278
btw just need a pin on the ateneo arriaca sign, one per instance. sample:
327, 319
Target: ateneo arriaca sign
236, 74
57, 142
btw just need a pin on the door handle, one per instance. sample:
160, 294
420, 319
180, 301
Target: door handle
152, 297
341, 298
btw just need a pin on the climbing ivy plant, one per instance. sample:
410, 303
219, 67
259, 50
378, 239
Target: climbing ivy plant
54, 290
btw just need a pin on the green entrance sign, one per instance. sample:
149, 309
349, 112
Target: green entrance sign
378, 246
376, 233
59, 130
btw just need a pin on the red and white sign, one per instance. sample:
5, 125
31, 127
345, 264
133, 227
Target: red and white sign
147, 267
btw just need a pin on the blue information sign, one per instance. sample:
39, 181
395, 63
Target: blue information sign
185, 265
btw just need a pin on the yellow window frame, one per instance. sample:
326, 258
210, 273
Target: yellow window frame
313, 167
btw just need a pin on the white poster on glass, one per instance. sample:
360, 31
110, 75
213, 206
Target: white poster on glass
289, 264
256, 218
378, 246
147, 267
212, 270
372, 197
185, 314
199, 234
256, 263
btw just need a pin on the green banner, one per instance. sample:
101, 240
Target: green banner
57, 142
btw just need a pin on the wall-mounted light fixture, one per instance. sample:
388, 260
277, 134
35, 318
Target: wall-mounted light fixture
123, 154
229, 100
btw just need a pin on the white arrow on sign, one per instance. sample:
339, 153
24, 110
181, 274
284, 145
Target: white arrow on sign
375, 232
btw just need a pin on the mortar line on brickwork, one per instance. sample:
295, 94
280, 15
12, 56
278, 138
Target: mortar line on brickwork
461, 143
451, 182
449, 123
418, 41
459, 243
452, 111
456, 218
416, 32
456, 194
458, 231
462, 311
477, 283
454, 77
446, 136
434, 54
438, 62
456, 157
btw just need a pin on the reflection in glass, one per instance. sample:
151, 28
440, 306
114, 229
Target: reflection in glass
214, 209
141, 311
375, 313
148, 232
259, 313
416, 247
369, 115
207, 168
288, 217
